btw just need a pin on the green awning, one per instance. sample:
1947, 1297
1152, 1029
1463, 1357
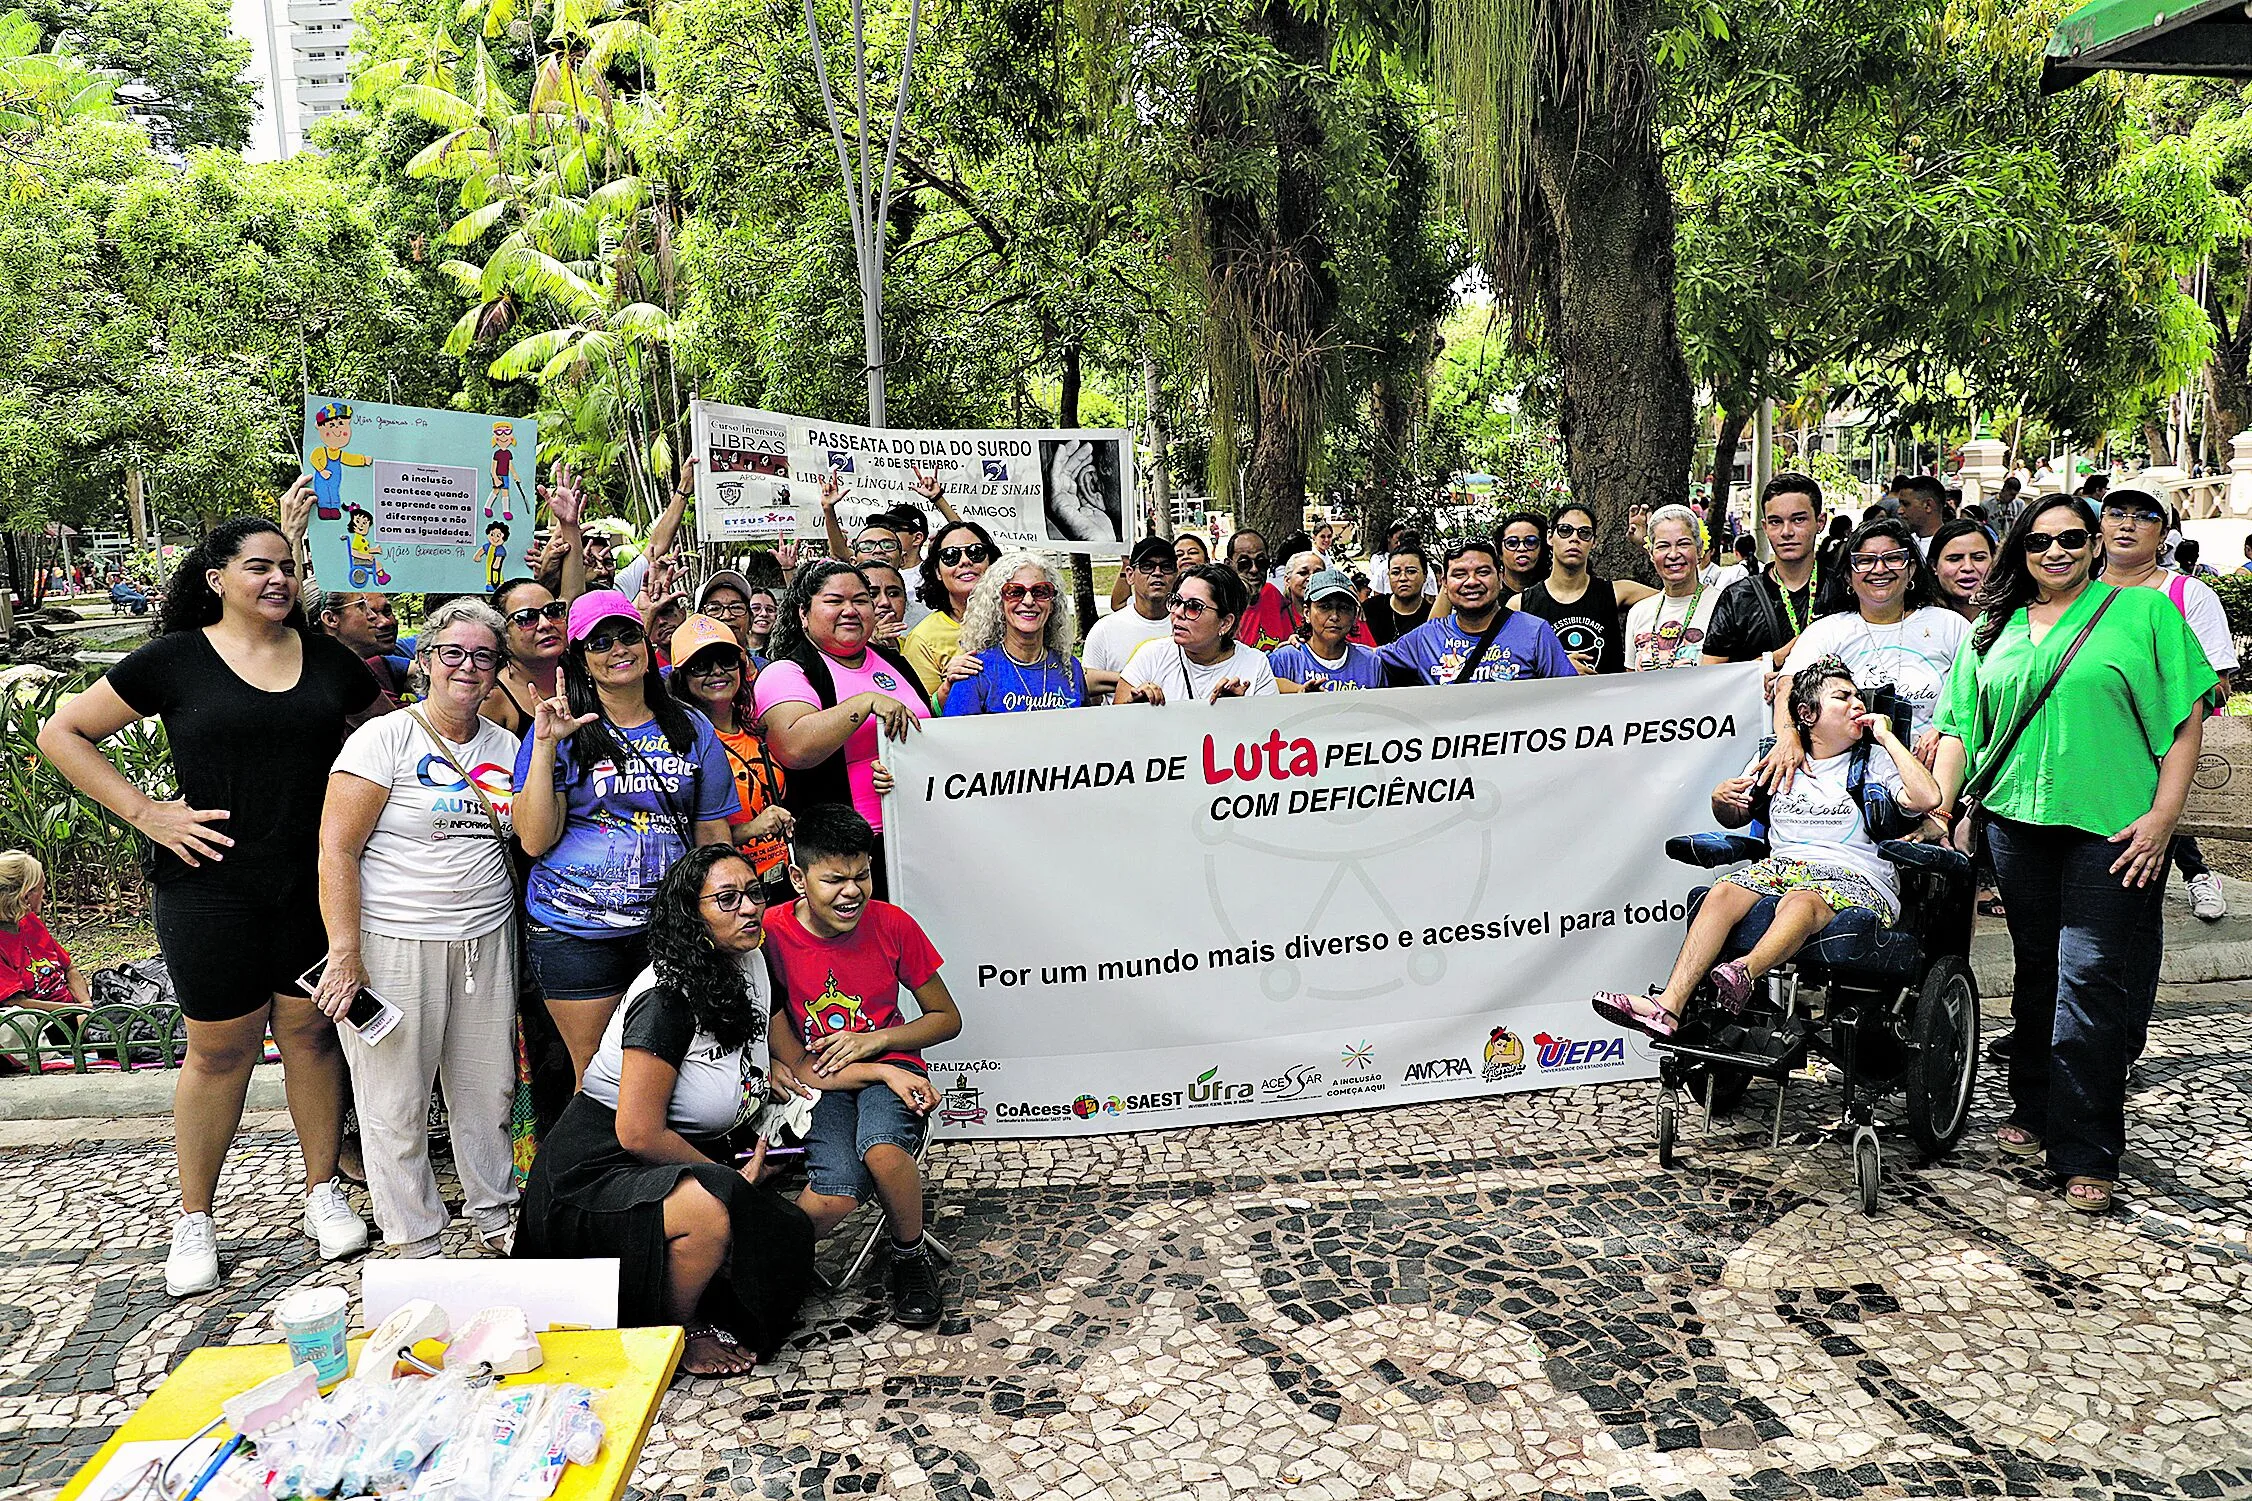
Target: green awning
2208, 38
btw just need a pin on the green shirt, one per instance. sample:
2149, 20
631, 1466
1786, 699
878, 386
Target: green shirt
2089, 759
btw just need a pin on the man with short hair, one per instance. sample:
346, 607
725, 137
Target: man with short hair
1263, 625
1923, 505
1759, 617
1329, 660
1150, 571
1481, 640
365, 625
598, 551
913, 529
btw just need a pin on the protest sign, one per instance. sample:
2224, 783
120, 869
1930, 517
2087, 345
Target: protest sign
743, 490
1158, 917
414, 499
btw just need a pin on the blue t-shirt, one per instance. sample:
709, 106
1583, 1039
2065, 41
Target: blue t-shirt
1005, 686
1362, 668
1524, 647
620, 834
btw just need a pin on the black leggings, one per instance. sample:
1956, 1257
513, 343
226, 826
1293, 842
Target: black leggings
2188, 858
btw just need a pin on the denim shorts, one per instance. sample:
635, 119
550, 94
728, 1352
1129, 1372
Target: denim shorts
846, 1124
571, 968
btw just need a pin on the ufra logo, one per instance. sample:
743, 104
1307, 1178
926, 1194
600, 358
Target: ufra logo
1563, 1052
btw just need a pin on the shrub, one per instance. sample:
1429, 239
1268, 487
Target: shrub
90, 853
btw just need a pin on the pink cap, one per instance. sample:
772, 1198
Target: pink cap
595, 606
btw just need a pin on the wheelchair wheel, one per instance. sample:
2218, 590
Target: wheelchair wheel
1868, 1168
1944, 1030
1668, 1119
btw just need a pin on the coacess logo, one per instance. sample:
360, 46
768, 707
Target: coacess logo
1564, 1053
1085, 1106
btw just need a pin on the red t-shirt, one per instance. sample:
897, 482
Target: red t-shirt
32, 963
1272, 621
848, 984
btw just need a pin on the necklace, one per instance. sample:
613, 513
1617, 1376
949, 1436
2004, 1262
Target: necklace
1024, 688
1790, 611
1671, 632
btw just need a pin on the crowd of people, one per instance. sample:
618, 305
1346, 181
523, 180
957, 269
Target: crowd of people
615, 846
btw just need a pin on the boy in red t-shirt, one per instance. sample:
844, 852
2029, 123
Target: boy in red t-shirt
34, 970
839, 959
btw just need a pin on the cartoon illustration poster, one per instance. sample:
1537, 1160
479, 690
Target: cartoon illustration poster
417, 499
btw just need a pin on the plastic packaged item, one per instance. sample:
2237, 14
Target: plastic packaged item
500, 1430
311, 1454
431, 1413
568, 1433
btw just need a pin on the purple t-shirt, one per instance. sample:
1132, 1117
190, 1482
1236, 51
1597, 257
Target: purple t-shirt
1524, 647
623, 827
1361, 668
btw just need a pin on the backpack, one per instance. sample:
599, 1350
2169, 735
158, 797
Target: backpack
828, 781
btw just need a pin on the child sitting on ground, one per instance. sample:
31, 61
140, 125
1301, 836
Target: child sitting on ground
1821, 857
839, 959
34, 970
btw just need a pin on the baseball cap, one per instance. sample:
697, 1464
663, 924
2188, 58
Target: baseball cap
1151, 550
725, 578
1328, 584
597, 605
696, 633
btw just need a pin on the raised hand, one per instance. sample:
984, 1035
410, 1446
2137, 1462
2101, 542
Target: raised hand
832, 491
926, 485
552, 719
563, 497
297, 510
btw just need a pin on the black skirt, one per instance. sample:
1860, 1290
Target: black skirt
589, 1196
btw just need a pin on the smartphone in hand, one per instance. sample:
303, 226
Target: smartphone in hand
370, 1015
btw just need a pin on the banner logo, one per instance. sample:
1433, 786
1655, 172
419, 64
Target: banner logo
1505, 1055
962, 1104
1560, 1053
996, 469
1294, 1082
1436, 1070
1210, 1089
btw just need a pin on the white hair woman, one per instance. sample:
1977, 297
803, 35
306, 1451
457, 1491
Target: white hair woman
1668, 628
419, 901
1017, 633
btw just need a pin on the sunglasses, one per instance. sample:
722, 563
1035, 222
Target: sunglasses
609, 638
482, 659
532, 615
1156, 566
1251, 562
1521, 544
1871, 562
1017, 594
2071, 539
1193, 608
974, 552
715, 665
735, 898
1568, 532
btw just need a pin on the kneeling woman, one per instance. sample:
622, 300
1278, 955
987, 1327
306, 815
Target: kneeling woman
1821, 858
630, 1170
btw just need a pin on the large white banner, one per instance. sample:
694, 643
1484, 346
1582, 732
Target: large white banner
1159, 917
1058, 489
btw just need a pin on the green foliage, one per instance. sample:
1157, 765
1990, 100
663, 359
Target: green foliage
39, 89
184, 65
90, 853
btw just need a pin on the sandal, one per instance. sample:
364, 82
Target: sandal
1992, 907
1731, 986
1638, 1013
2088, 1195
729, 1344
2017, 1141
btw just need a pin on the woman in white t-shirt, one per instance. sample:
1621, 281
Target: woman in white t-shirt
644, 1165
1200, 661
1668, 628
1888, 623
419, 901
1821, 857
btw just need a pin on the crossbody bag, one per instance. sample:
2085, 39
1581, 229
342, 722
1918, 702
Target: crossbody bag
1481, 646
680, 821
438, 740
1974, 792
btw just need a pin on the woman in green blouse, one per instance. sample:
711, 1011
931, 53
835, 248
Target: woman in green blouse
2082, 810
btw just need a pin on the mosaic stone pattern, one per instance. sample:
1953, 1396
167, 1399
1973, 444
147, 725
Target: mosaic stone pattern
1492, 1299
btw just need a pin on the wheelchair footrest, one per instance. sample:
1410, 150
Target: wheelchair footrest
1767, 1049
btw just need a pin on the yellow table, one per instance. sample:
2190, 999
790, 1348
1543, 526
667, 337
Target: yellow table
629, 1370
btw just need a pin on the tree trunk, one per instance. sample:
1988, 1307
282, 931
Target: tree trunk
1067, 415
1724, 448
2159, 442
1626, 409
2228, 374
1392, 418
1160, 470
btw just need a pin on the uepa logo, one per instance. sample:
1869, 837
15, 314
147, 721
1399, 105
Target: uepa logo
1559, 1053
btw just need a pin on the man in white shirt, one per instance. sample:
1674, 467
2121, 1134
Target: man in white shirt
1150, 570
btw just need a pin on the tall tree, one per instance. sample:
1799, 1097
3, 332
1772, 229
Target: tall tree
180, 64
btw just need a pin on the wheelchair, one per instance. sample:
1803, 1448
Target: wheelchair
1895, 1009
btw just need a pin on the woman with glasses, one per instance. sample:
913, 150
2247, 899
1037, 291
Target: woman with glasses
534, 620
1523, 541
1199, 661
1667, 629
763, 614
956, 559
1962, 554
617, 781
419, 902
1884, 620
726, 597
2080, 791
828, 687
644, 1165
1587, 610
713, 673
1016, 643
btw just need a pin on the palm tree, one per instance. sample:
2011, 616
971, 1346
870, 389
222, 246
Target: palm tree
39, 89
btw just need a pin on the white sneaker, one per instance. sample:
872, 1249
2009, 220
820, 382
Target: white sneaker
193, 1265
2205, 898
330, 1221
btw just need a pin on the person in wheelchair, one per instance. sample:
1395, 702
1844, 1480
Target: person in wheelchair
1822, 856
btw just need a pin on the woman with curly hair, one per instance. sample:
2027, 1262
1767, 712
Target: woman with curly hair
640, 1167
1016, 642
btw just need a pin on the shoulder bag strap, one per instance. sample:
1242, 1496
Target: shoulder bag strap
439, 741
1992, 769
1485, 644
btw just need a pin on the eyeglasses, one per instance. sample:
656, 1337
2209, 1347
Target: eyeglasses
762, 610
1250, 562
975, 552
1521, 544
1017, 594
1154, 567
478, 656
735, 898
1568, 533
532, 615
2142, 514
880, 549
609, 638
1184, 605
716, 665
1888, 562
2071, 539
727, 612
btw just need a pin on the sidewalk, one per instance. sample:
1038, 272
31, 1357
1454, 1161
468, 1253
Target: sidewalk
2196, 952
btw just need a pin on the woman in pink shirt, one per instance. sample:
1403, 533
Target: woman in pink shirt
825, 688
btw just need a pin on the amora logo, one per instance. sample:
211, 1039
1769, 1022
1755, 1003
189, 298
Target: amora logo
1564, 1053
1438, 1069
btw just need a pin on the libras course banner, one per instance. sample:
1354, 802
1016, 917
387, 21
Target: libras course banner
415, 499
1158, 917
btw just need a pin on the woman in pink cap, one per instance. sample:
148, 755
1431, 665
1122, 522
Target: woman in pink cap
617, 780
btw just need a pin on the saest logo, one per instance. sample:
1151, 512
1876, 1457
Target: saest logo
1438, 1070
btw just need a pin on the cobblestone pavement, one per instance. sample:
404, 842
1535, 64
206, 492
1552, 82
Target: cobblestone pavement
1492, 1299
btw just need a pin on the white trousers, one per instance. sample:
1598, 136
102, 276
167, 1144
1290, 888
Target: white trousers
458, 1022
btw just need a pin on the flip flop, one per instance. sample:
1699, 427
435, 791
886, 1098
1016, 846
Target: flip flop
2098, 1202
1639, 1013
2023, 1144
